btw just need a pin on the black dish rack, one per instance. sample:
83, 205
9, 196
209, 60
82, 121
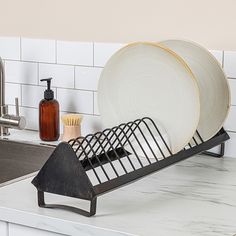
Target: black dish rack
87, 167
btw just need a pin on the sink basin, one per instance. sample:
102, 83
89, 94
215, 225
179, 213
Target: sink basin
18, 160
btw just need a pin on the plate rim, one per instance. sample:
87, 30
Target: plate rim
219, 65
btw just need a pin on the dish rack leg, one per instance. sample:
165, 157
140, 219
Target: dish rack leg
218, 155
93, 206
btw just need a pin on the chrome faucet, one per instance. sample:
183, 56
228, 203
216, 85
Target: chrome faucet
8, 121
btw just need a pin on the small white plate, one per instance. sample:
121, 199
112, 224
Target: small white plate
146, 79
212, 82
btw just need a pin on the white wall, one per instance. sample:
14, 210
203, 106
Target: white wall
211, 23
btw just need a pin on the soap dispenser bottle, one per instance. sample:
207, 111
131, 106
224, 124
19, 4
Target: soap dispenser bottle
49, 127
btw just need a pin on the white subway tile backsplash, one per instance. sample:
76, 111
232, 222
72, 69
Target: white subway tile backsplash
103, 51
10, 48
218, 55
230, 145
90, 124
63, 75
32, 117
21, 72
230, 123
13, 91
12, 109
87, 77
75, 100
76, 68
95, 102
230, 63
75, 53
32, 95
232, 85
39, 50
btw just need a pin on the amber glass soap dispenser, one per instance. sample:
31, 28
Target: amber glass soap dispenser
49, 127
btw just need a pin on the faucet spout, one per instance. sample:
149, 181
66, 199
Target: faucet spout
6, 120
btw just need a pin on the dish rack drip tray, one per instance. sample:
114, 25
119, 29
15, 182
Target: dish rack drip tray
87, 167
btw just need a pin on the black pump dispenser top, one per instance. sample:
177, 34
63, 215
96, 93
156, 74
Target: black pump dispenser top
48, 93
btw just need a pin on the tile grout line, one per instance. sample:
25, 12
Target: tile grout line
38, 73
21, 95
53, 63
223, 59
93, 102
8, 229
56, 51
54, 87
20, 48
74, 78
93, 54
66, 111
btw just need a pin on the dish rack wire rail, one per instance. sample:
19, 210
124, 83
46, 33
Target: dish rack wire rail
87, 167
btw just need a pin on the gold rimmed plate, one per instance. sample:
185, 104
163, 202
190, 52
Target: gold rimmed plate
146, 79
212, 82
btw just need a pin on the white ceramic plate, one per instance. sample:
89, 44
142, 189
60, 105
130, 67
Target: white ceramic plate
212, 82
145, 79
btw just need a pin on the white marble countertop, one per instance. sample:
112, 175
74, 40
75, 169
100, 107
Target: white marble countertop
28, 136
194, 197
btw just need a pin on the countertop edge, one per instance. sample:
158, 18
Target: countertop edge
54, 224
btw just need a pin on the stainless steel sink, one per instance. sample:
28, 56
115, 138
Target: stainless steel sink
18, 160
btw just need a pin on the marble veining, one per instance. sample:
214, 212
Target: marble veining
195, 197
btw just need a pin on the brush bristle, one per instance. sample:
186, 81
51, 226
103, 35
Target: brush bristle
71, 119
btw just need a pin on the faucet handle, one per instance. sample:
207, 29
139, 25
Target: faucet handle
17, 106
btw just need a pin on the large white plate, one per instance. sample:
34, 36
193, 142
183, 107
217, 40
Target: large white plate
212, 82
146, 79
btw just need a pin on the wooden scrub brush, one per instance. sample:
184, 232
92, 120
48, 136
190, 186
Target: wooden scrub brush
72, 126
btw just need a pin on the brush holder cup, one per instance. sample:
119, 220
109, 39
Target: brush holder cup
71, 132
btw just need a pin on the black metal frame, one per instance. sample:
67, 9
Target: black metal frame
65, 172
218, 155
